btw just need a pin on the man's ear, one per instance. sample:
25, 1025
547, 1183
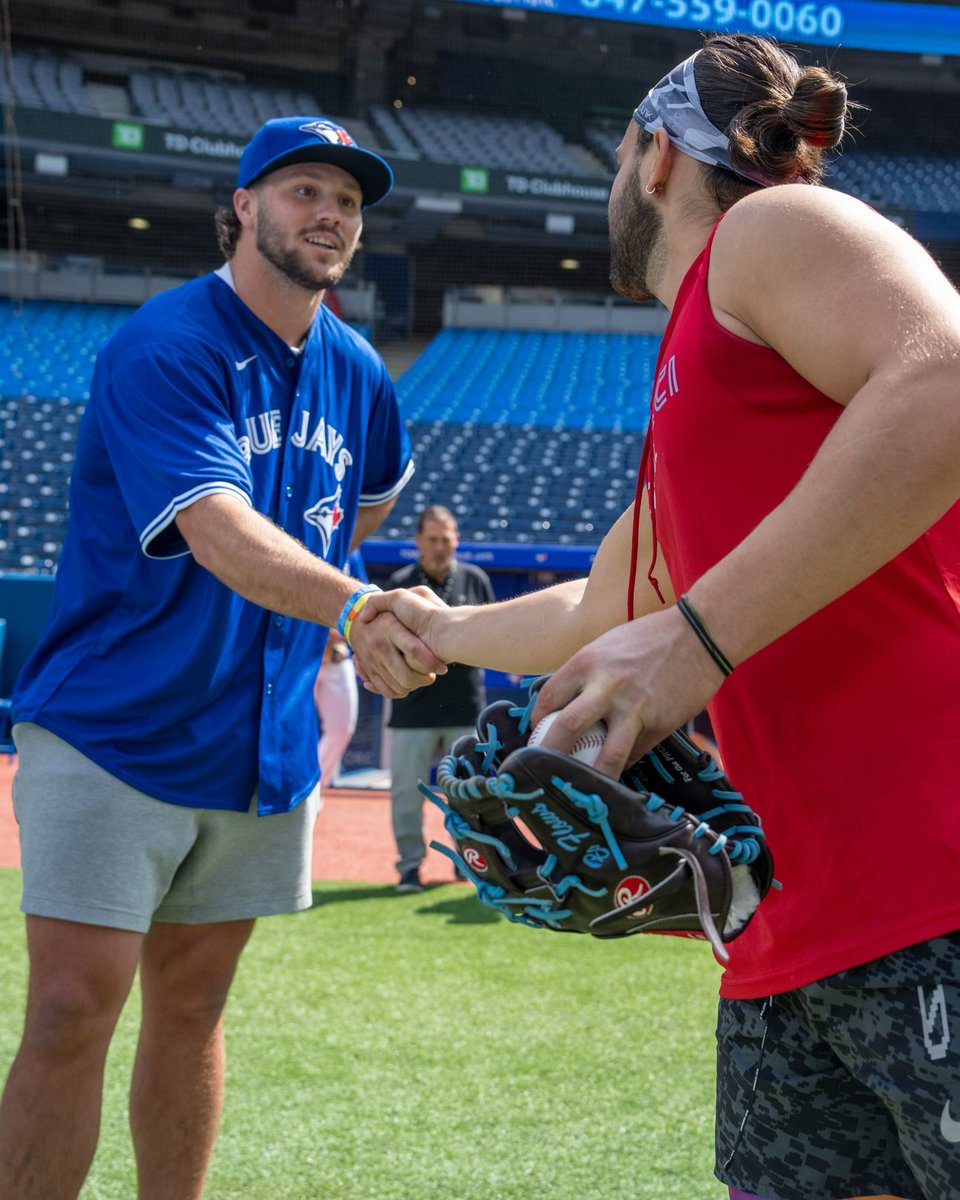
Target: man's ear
663, 159
245, 206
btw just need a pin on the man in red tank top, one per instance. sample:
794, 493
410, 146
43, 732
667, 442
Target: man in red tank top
800, 481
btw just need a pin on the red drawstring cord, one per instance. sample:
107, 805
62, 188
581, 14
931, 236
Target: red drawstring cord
645, 462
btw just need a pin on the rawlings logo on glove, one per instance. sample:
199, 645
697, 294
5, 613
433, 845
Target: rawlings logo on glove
552, 843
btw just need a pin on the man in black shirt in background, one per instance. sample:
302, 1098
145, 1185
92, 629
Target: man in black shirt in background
424, 724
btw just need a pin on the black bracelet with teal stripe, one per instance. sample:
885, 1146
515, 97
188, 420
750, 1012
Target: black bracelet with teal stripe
696, 624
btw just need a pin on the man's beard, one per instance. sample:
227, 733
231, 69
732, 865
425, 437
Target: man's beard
289, 261
636, 247
437, 564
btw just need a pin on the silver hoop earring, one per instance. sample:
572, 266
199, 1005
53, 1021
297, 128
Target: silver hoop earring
652, 191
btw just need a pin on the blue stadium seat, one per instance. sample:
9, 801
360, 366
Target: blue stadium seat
528, 437
531, 437
913, 182
550, 380
520, 484
37, 440
47, 347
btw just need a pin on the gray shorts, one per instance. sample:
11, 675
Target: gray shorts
95, 850
849, 1086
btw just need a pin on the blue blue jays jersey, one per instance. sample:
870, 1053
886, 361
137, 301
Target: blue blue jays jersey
148, 664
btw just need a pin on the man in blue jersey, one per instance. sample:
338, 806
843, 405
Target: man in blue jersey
238, 440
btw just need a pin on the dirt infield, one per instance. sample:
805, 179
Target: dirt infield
352, 841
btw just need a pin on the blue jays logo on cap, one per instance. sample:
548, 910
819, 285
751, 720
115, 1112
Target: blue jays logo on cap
329, 132
287, 140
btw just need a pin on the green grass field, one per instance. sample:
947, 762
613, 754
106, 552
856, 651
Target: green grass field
389, 1047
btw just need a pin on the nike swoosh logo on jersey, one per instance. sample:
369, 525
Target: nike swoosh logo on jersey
948, 1126
246, 362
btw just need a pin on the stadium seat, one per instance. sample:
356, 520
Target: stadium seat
603, 141
47, 350
47, 347
555, 380
914, 183
391, 132
37, 440
520, 484
24, 86
193, 101
494, 141
531, 437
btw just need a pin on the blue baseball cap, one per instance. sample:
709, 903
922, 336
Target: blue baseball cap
287, 140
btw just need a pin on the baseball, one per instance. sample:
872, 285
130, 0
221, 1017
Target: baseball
587, 746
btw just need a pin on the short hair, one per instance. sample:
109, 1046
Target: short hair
437, 512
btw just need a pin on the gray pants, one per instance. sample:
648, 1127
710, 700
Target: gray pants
95, 850
412, 753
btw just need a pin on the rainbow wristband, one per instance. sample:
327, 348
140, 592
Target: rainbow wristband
352, 609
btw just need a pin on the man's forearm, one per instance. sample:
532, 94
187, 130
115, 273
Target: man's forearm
536, 632
262, 563
528, 634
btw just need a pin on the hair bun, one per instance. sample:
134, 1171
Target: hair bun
778, 115
817, 112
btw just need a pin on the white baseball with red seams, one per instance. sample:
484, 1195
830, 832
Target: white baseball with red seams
587, 746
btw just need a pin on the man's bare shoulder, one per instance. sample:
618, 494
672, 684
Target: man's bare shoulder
796, 234
790, 218
811, 234
802, 268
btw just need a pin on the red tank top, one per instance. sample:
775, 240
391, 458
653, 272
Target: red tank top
843, 734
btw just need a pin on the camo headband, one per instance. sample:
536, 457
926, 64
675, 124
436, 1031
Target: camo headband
674, 105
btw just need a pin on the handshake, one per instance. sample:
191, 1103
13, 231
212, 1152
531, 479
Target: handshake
644, 678
396, 638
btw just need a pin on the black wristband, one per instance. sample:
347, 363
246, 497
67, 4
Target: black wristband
696, 624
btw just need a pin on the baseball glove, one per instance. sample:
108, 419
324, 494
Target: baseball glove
552, 843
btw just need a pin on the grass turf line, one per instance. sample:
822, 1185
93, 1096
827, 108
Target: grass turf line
420, 1047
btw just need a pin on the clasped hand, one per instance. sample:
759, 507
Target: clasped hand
390, 652
643, 679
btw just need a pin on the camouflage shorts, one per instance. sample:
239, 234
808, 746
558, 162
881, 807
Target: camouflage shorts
847, 1087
